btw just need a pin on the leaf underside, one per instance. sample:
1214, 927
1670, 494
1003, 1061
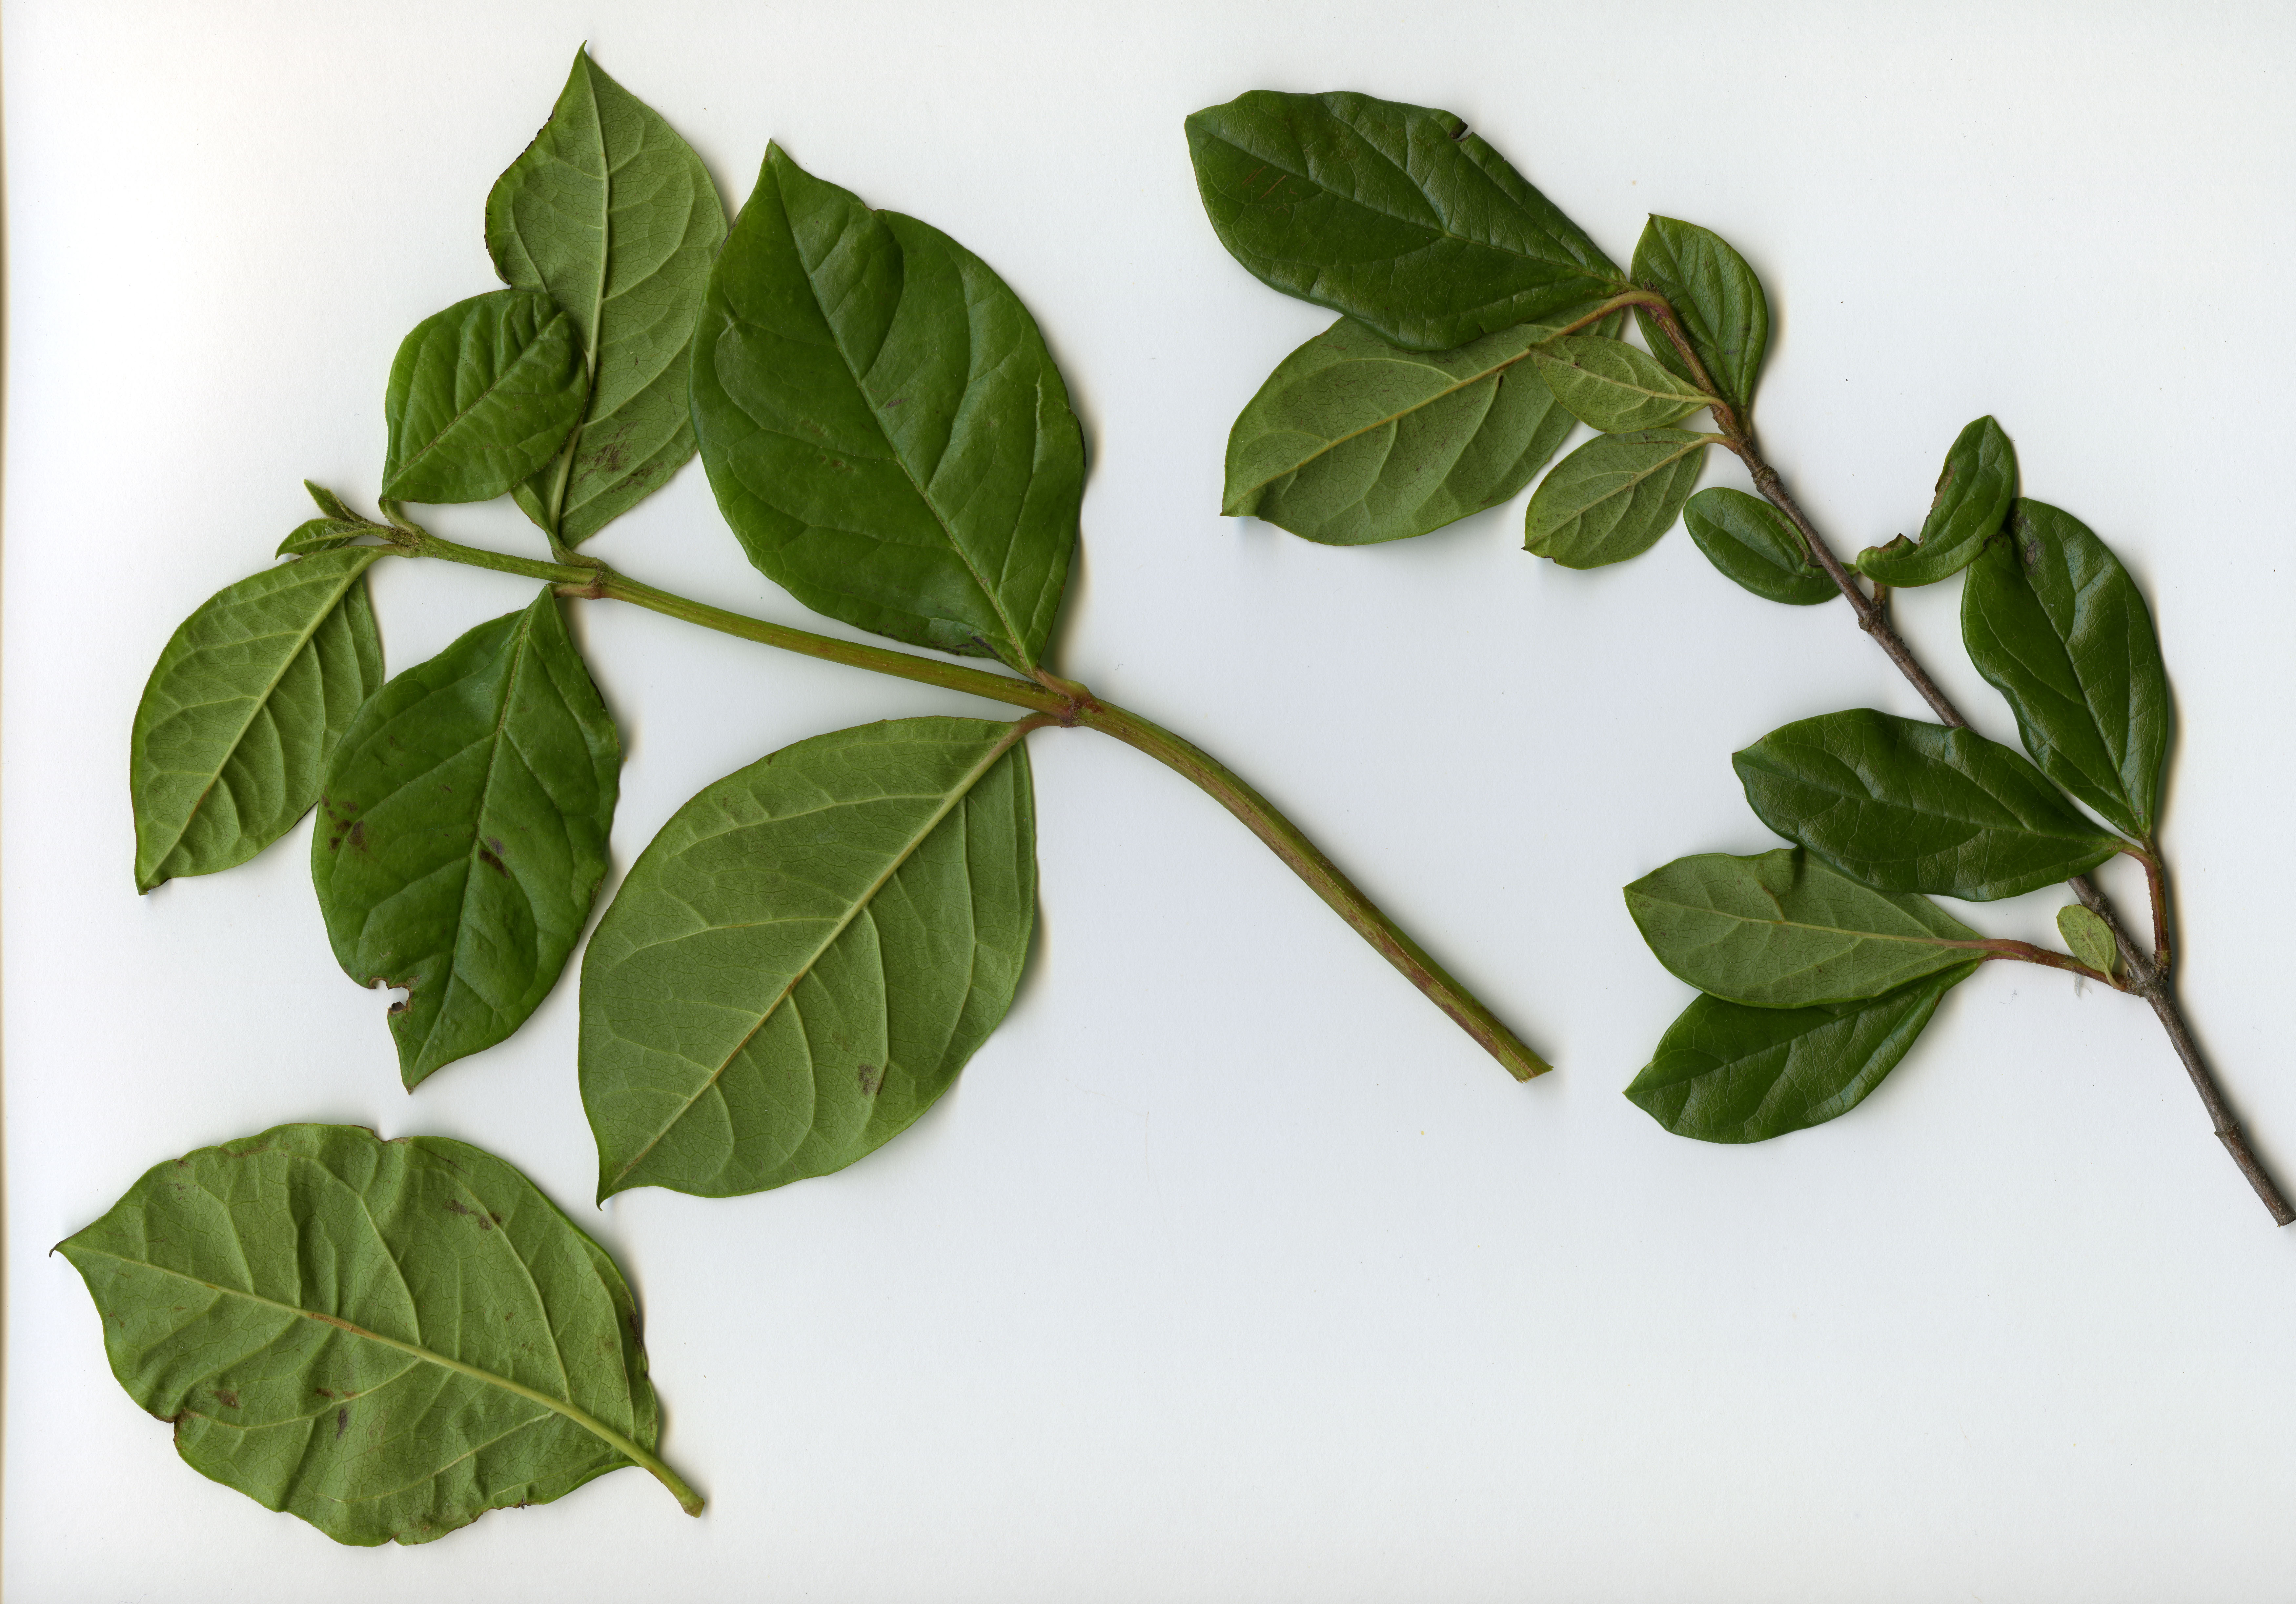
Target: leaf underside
480, 396
1609, 384
1612, 497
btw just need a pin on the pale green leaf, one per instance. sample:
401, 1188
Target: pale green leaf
1613, 497
1608, 384
481, 395
2089, 937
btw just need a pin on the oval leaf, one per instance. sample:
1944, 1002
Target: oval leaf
1613, 497
1783, 929
1724, 1072
463, 833
1753, 544
1716, 298
1974, 491
2089, 937
245, 704
386, 1338
481, 395
1353, 440
882, 424
614, 215
1608, 384
1906, 805
807, 954
1392, 214
2055, 622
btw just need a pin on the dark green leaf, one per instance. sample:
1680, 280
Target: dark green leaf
1613, 497
1973, 493
1724, 1072
1392, 214
1608, 384
2055, 622
807, 954
1716, 298
1353, 440
614, 215
882, 424
2089, 937
481, 395
386, 1338
1751, 541
247, 700
1781, 930
1906, 805
462, 833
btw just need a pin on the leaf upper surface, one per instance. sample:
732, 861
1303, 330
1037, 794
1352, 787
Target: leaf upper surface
1393, 213
385, 1338
1974, 491
1608, 384
1354, 440
1755, 548
242, 709
1613, 497
1906, 805
1716, 298
463, 833
803, 959
480, 396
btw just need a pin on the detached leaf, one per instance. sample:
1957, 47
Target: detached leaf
1608, 384
1753, 544
1613, 497
1392, 214
1724, 1072
1784, 930
1973, 493
2056, 625
1906, 805
245, 704
1716, 298
1353, 440
463, 833
807, 954
882, 424
2089, 937
482, 395
614, 215
384, 1338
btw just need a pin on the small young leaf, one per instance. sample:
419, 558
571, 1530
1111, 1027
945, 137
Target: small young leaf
323, 535
482, 395
807, 954
1781, 930
1608, 384
1392, 214
385, 1338
245, 704
462, 833
1753, 544
1353, 440
1724, 1072
1906, 805
882, 424
1973, 493
2055, 622
1613, 497
332, 505
614, 215
2089, 937
1716, 298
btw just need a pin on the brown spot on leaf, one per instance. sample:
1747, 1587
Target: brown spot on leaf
487, 857
343, 1421
485, 1222
357, 836
324, 1391
870, 1077
229, 1399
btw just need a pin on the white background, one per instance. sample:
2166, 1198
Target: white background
1230, 1271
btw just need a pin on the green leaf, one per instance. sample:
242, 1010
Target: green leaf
1753, 544
1392, 214
463, 833
1353, 440
1716, 298
323, 535
247, 700
482, 395
2055, 622
1906, 805
1781, 930
614, 215
882, 424
386, 1338
807, 954
1973, 493
1608, 384
2089, 937
1724, 1072
1613, 497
